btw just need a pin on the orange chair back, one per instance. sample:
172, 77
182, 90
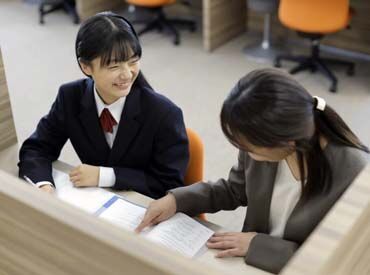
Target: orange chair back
315, 16
194, 172
150, 3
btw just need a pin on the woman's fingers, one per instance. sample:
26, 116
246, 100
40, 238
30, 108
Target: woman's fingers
148, 220
228, 253
221, 234
220, 239
221, 245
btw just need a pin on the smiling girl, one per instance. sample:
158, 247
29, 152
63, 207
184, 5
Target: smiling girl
126, 135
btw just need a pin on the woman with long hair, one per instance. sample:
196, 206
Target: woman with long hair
296, 158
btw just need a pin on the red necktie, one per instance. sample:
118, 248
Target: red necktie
107, 121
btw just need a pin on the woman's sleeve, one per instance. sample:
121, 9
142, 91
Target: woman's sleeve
270, 253
211, 197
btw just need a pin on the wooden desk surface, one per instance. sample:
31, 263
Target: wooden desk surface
227, 265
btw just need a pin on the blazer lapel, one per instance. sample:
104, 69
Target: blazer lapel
261, 198
128, 126
90, 121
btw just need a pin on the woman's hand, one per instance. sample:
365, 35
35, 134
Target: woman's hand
232, 244
85, 175
158, 211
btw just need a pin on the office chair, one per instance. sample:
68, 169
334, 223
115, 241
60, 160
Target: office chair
48, 6
264, 49
313, 19
160, 21
194, 172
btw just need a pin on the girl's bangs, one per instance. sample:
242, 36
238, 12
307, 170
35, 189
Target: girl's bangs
121, 50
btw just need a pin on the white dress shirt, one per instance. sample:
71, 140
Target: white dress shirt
285, 196
107, 178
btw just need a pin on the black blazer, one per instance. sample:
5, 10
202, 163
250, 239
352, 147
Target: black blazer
150, 151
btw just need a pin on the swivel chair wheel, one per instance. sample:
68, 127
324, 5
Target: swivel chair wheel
277, 64
193, 28
333, 88
350, 71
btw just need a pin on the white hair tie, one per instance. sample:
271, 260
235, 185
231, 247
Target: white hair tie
320, 103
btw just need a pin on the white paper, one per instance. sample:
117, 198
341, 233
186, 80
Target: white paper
180, 232
89, 199
124, 214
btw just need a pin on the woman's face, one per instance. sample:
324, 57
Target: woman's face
114, 80
272, 154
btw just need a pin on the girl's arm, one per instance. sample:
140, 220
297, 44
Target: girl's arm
44, 145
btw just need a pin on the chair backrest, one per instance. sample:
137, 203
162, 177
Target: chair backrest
194, 172
263, 6
150, 3
314, 16
8, 135
340, 243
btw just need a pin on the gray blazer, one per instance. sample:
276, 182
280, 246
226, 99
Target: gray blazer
250, 183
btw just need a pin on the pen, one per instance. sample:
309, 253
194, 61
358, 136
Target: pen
29, 180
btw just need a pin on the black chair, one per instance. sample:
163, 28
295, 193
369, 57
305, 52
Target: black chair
48, 6
264, 49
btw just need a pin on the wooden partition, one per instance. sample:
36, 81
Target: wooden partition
87, 8
222, 21
41, 235
8, 135
340, 244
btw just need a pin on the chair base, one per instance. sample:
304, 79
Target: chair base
46, 7
161, 23
260, 53
316, 63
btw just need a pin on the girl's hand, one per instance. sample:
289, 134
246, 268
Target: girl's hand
158, 211
85, 175
47, 188
232, 244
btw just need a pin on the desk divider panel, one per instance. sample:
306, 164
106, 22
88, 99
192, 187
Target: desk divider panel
41, 235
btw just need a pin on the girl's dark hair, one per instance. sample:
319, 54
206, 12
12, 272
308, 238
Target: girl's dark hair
109, 36
269, 109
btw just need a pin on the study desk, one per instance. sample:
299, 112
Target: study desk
227, 265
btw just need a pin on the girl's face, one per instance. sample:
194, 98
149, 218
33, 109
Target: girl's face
272, 154
114, 80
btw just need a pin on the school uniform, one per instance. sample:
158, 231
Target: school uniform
147, 151
255, 184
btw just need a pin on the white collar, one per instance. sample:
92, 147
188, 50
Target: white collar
115, 108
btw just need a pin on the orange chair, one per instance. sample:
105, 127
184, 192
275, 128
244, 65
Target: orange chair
194, 172
313, 19
160, 21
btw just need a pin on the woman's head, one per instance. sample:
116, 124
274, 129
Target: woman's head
270, 115
108, 50
266, 113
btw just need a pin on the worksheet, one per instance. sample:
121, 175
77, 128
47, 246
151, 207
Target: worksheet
180, 232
